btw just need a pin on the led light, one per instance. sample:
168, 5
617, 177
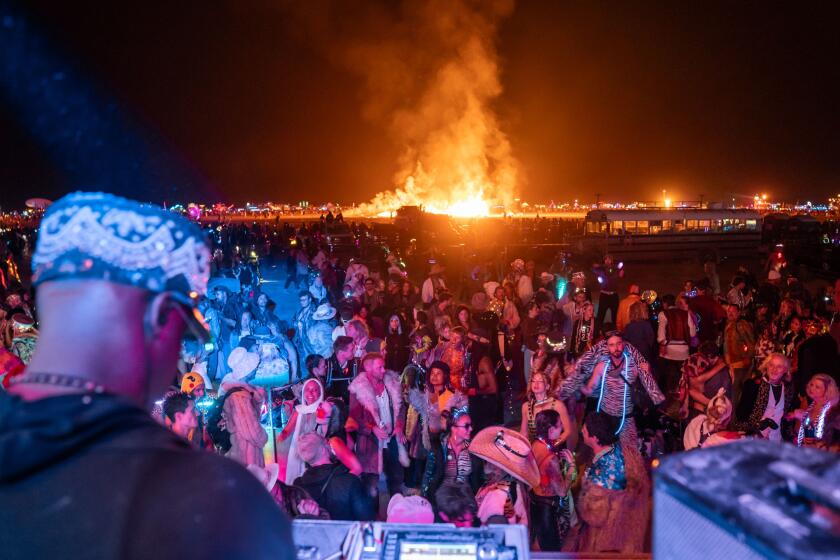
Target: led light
561, 288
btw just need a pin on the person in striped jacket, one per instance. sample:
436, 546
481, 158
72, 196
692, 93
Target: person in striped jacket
608, 372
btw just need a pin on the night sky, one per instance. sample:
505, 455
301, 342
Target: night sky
624, 99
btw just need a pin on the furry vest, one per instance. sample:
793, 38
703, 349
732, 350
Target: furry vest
364, 411
362, 389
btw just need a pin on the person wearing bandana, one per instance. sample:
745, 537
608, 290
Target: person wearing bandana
132, 275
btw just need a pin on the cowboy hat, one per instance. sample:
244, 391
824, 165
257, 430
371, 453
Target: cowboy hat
490, 288
508, 450
242, 363
325, 311
267, 475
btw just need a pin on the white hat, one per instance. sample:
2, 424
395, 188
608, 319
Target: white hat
266, 475
242, 363
410, 509
509, 450
325, 311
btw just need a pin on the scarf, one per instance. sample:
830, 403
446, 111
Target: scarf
294, 466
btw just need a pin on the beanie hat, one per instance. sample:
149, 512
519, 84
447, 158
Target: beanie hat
191, 381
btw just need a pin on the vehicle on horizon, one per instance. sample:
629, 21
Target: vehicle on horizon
683, 233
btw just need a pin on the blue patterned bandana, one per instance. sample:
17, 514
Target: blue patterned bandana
100, 236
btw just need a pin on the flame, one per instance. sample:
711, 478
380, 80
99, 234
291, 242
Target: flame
433, 83
473, 206
467, 200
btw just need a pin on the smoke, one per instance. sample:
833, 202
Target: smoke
430, 71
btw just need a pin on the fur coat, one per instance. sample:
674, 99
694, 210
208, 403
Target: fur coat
608, 521
364, 416
754, 397
424, 418
242, 417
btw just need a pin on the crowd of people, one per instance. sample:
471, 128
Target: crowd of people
525, 397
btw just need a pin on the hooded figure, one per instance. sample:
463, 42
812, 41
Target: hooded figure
305, 422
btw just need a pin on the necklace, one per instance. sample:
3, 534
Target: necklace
806, 423
59, 380
548, 444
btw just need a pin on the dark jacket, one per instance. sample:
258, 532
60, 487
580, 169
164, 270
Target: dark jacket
817, 354
754, 397
339, 378
338, 491
712, 316
640, 334
436, 468
96, 477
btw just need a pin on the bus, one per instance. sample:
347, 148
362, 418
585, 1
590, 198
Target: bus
686, 233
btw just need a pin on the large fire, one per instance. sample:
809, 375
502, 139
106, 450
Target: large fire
472, 206
466, 200
433, 79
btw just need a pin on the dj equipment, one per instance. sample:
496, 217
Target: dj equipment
320, 540
751, 499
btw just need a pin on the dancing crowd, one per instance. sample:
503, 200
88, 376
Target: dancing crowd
514, 397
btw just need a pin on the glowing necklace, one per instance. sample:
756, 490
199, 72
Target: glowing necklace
818, 431
624, 398
547, 443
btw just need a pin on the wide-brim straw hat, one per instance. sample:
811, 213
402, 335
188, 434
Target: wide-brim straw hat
508, 450
325, 311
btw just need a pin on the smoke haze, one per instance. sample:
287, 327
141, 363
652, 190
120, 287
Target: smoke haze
430, 74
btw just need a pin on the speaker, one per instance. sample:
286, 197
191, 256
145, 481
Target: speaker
747, 500
319, 539
316, 540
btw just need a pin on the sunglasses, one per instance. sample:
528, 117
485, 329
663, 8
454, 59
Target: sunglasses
466, 426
